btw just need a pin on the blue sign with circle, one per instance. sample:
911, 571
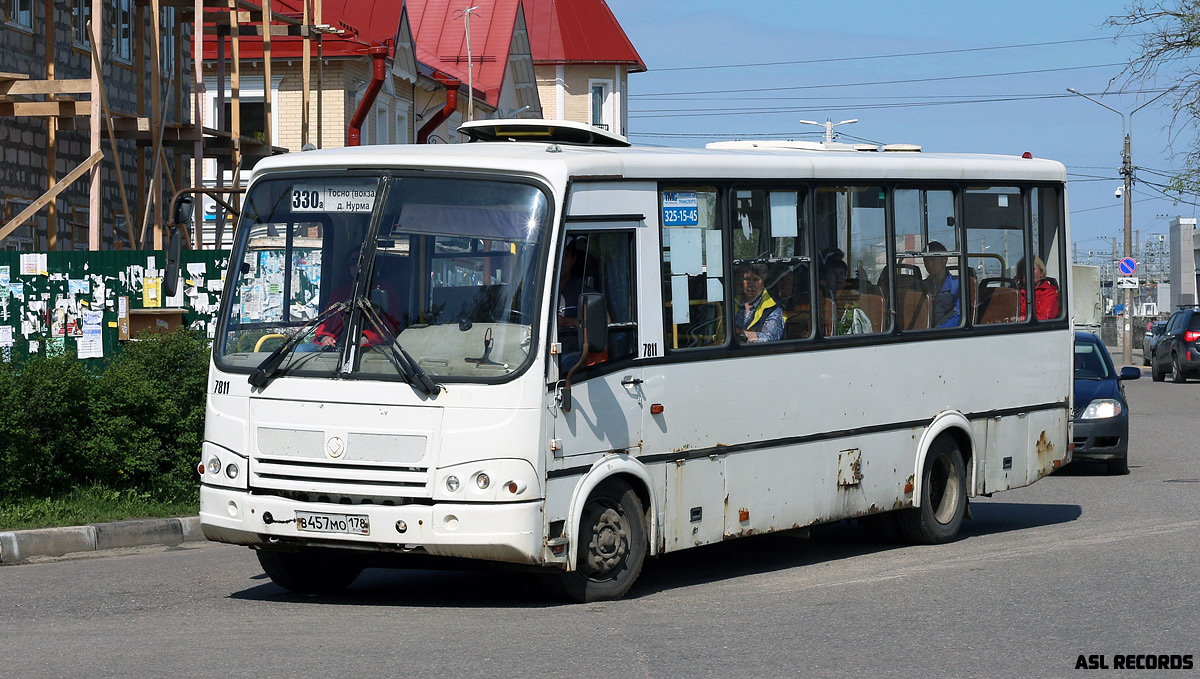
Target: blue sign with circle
1127, 266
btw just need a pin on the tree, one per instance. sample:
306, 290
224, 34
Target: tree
1168, 35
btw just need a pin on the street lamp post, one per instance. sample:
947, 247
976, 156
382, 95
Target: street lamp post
1127, 194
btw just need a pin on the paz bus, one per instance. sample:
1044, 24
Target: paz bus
552, 349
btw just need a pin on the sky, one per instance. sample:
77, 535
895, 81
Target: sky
1016, 98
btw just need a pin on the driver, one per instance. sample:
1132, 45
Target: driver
328, 332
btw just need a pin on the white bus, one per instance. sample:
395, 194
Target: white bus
549, 348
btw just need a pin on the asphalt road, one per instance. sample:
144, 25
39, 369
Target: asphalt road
1079, 563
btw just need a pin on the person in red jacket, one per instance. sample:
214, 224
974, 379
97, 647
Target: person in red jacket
328, 332
1045, 292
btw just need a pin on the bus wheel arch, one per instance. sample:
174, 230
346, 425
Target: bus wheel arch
615, 501
957, 428
941, 483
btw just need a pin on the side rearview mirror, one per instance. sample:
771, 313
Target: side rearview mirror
183, 209
170, 281
593, 322
1130, 373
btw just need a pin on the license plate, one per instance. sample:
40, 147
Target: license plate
354, 524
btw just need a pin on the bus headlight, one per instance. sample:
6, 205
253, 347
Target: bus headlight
1101, 408
218, 460
502, 480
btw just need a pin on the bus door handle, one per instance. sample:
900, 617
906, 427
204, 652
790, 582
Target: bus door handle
630, 381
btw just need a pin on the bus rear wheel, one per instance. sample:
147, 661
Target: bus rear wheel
943, 497
611, 545
310, 572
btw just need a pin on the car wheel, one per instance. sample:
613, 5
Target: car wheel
1156, 372
1176, 370
1119, 466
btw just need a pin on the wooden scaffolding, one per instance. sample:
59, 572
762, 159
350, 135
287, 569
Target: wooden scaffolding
82, 104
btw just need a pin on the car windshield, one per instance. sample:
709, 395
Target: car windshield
1090, 363
448, 267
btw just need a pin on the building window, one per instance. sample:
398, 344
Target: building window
600, 103
402, 123
18, 12
122, 32
22, 237
81, 13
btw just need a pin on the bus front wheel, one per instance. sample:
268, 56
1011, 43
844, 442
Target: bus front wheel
611, 547
309, 572
943, 497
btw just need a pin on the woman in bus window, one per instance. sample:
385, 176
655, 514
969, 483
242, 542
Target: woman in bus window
759, 318
1045, 292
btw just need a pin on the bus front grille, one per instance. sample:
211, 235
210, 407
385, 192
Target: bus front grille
313, 480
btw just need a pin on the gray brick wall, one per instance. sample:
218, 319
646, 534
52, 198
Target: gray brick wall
23, 140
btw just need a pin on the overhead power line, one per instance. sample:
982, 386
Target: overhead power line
882, 56
874, 83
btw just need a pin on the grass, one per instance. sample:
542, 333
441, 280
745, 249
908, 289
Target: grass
90, 505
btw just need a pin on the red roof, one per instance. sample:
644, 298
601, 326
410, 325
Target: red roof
440, 35
578, 31
367, 22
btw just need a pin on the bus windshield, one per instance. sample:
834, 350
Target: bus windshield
446, 267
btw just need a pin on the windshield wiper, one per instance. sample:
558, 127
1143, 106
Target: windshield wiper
405, 365
270, 367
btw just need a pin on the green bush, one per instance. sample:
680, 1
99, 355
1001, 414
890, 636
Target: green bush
44, 424
148, 416
137, 425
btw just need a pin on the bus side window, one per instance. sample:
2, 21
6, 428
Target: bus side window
994, 220
694, 260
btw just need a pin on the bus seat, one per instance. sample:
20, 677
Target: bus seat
1001, 307
873, 306
913, 310
797, 323
827, 316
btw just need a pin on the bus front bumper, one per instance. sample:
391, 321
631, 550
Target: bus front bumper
510, 532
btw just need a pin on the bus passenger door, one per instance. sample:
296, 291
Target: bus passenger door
605, 410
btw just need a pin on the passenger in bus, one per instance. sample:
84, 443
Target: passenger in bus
1045, 291
833, 273
942, 288
759, 317
329, 330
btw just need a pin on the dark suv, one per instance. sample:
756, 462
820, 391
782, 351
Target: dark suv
1178, 351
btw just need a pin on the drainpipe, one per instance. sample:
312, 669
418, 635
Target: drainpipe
451, 85
378, 54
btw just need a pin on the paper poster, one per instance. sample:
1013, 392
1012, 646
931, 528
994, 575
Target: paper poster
714, 254
34, 346
91, 345
17, 291
77, 287
197, 269
4, 276
6, 336
151, 292
716, 291
687, 253
681, 311
33, 264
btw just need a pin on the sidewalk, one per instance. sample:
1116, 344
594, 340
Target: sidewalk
21, 545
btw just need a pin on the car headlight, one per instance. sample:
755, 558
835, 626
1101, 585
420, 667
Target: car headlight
1101, 408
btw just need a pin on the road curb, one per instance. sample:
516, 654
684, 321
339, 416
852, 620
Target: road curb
22, 545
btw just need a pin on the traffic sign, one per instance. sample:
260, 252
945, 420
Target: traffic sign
1128, 266
1127, 282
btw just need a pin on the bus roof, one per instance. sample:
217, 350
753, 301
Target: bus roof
562, 161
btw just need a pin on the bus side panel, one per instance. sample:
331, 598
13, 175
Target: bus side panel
1005, 453
1047, 448
818, 482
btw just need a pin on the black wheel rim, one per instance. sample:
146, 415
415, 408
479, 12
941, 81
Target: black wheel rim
608, 540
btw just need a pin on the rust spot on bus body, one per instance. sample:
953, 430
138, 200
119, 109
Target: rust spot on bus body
1047, 459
